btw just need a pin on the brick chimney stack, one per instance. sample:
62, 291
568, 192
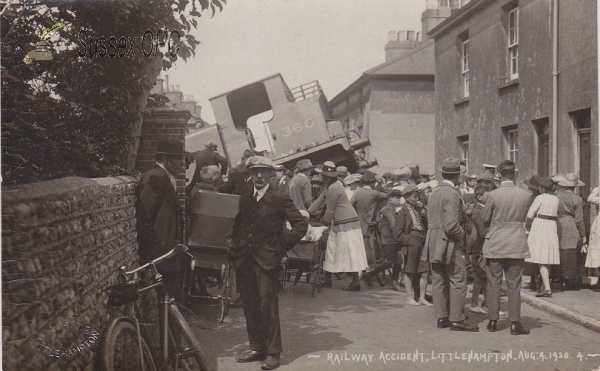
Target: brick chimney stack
399, 43
435, 13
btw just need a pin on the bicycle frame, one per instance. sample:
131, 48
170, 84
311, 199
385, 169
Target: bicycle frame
166, 306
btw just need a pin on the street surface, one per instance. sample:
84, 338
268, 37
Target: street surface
375, 330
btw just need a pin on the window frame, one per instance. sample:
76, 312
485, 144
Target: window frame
464, 150
513, 43
511, 136
464, 68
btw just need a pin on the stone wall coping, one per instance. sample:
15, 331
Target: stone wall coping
23, 192
169, 111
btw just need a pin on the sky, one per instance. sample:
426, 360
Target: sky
332, 41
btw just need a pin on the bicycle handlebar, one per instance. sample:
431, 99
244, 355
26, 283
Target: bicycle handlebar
178, 249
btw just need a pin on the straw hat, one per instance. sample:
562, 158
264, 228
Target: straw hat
571, 180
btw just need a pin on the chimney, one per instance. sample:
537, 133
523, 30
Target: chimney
400, 44
158, 86
435, 13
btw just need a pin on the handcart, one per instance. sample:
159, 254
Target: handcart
211, 222
306, 259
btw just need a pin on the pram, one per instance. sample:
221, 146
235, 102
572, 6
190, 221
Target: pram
212, 218
306, 259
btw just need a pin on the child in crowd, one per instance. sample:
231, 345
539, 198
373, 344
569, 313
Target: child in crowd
481, 193
409, 230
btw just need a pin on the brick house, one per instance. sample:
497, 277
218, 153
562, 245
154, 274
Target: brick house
507, 87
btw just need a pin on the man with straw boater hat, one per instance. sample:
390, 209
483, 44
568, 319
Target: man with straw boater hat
445, 250
259, 242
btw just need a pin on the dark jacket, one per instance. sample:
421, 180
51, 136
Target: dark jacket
237, 183
207, 157
404, 232
259, 230
159, 218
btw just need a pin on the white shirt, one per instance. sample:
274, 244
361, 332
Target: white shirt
259, 193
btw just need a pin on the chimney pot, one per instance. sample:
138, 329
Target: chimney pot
432, 4
402, 36
392, 36
411, 35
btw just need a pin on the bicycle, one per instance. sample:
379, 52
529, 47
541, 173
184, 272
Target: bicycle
127, 343
379, 257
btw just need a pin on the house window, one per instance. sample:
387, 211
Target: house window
511, 136
513, 43
465, 68
463, 142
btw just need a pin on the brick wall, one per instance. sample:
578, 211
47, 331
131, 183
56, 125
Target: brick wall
164, 122
62, 242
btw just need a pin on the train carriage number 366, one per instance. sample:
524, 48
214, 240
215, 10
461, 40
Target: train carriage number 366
297, 127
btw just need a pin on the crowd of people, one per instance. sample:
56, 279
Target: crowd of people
446, 232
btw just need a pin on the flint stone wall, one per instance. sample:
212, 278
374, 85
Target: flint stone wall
62, 243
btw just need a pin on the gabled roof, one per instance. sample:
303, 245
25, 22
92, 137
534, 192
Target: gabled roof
418, 62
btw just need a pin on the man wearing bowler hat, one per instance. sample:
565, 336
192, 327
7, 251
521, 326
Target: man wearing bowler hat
300, 188
259, 242
159, 217
445, 250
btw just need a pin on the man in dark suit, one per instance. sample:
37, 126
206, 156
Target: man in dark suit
505, 247
444, 247
159, 217
259, 242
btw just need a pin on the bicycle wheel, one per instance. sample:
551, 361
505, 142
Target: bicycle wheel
190, 355
226, 290
121, 348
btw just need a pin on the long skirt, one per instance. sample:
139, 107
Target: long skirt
568, 265
543, 242
593, 255
345, 252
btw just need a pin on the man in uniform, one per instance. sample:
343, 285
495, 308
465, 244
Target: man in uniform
259, 242
505, 247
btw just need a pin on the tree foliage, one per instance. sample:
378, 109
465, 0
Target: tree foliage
79, 115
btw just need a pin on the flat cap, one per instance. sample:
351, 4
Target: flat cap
259, 161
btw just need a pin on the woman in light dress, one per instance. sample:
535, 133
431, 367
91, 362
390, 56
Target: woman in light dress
543, 235
345, 249
593, 255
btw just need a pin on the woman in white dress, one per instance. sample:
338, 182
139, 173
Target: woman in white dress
593, 255
543, 235
345, 248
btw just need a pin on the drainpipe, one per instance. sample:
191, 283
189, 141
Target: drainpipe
554, 162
